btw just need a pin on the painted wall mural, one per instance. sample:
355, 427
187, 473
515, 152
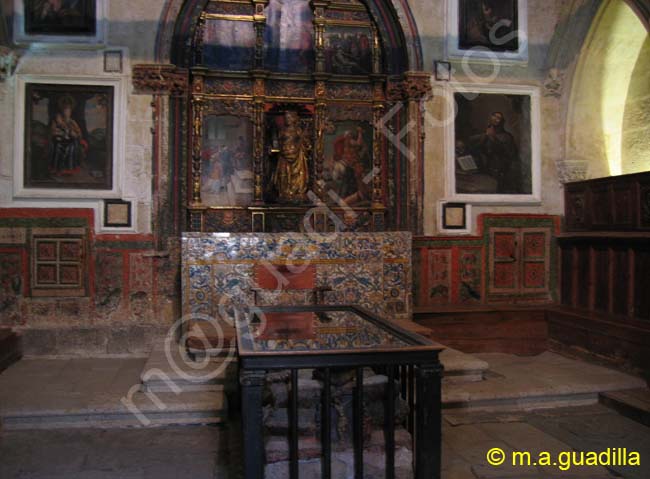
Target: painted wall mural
228, 44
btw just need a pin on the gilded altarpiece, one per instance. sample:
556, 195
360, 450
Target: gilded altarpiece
287, 106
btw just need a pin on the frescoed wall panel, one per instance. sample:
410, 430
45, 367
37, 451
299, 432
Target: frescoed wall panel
510, 260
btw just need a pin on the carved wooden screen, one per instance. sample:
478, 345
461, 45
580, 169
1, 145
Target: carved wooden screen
285, 98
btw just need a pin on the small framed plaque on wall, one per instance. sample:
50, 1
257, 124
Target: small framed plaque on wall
117, 214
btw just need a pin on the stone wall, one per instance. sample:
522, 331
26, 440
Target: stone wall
134, 26
131, 279
125, 298
131, 29
544, 17
607, 122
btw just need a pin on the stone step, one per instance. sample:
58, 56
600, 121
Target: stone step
97, 392
172, 371
536, 382
143, 410
632, 403
10, 348
459, 367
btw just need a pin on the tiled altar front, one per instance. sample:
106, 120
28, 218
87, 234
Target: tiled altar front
368, 269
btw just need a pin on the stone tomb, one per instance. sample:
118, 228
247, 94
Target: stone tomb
368, 269
276, 396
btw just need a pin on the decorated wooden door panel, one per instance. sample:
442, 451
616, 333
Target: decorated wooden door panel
504, 260
534, 259
519, 261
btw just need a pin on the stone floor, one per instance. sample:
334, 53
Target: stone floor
50, 391
198, 452
201, 452
468, 437
93, 386
90, 392
67, 384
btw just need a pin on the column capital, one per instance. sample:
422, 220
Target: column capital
160, 79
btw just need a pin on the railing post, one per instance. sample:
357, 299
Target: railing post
326, 422
428, 421
358, 425
252, 384
293, 426
389, 423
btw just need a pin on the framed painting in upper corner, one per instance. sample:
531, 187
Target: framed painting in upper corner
493, 153
69, 137
52, 22
488, 30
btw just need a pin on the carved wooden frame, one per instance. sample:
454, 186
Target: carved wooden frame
346, 97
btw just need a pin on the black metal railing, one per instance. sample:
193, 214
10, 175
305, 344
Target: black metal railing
417, 385
413, 374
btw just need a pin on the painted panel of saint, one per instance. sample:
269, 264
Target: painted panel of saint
348, 162
348, 50
68, 136
493, 148
228, 44
289, 36
490, 24
227, 161
60, 17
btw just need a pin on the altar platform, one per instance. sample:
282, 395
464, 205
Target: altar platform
51, 406
75, 392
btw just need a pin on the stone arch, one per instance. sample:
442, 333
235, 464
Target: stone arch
178, 18
397, 30
563, 66
607, 129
